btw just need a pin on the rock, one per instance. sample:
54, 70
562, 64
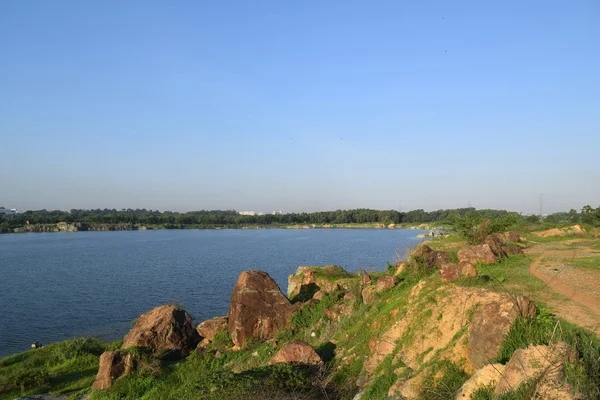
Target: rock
36, 345
512, 237
535, 362
309, 280
496, 242
113, 364
257, 309
209, 328
452, 272
486, 376
513, 250
163, 328
365, 280
525, 307
319, 295
385, 282
429, 258
490, 324
477, 254
297, 351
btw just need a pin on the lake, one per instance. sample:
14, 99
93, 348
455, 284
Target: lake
56, 286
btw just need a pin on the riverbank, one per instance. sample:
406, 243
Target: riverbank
453, 321
87, 227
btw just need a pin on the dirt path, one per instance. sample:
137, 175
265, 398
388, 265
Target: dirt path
581, 287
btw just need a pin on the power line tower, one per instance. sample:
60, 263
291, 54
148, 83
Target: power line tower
541, 200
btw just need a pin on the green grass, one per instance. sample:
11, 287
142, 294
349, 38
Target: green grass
64, 367
545, 329
509, 273
446, 386
591, 263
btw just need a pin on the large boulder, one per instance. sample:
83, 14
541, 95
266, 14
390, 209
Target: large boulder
297, 351
257, 309
513, 237
491, 323
452, 272
164, 328
477, 254
534, 363
428, 258
113, 364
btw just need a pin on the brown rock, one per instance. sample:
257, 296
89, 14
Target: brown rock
319, 295
113, 364
429, 258
385, 282
513, 250
257, 309
297, 351
452, 272
491, 323
534, 362
512, 237
163, 328
477, 254
209, 328
365, 280
496, 242
488, 375
525, 307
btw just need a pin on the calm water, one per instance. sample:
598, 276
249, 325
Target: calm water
56, 286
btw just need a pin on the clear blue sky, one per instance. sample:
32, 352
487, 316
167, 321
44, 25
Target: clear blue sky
299, 105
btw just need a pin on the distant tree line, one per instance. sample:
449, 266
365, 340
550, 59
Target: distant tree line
231, 218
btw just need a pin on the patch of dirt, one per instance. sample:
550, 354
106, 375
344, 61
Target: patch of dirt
580, 286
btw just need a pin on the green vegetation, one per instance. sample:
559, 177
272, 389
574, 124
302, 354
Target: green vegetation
592, 263
65, 367
444, 387
546, 329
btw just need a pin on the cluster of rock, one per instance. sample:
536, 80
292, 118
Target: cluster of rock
465, 325
258, 310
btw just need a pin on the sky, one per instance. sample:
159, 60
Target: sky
300, 106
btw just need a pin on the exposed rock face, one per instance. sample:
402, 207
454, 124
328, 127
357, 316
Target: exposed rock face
297, 351
257, 309
452, 272
474, 254
113, 364
534, 362
163, 328
488, 375
490, 325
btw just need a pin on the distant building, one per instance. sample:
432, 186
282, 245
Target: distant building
260, 213
7, 211
277, 212
247, 212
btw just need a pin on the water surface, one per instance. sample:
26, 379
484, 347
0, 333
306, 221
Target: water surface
56, 286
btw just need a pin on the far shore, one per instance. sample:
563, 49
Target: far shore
86, 227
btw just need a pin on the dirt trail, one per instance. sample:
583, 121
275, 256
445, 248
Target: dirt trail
581, 287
